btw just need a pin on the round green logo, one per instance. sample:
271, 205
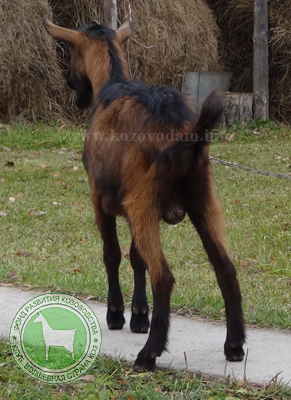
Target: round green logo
55, 338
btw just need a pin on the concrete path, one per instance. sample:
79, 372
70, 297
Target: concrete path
269, 352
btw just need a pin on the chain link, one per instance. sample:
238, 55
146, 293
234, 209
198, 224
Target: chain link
254, 170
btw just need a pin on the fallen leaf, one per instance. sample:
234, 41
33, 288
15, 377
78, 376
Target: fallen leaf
56, 175
251, 308
245, 264
11, 199
56, 203
2, 365
24, 254
88, 378
39, 213
76, 168
81, 180
77, 271
4, 284
123, 382
90, 297
2, 180
12, 274
130, 398
10, 164
231, 136
5, 148
3, 213
125, 252
80, 152
241, 383
129, 293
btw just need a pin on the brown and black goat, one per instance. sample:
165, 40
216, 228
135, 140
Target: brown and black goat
146, 155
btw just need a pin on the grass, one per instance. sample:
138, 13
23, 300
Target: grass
113, 379
48, 238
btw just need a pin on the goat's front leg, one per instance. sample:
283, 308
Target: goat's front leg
139, 322
112, 257
206, 216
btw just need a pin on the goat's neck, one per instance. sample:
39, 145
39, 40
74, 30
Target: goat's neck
45, 326
100, 74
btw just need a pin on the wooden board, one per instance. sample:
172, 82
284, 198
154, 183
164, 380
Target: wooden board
239, 107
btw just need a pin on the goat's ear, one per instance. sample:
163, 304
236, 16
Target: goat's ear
68, 35
124, 32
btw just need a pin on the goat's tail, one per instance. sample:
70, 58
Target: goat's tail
212, 110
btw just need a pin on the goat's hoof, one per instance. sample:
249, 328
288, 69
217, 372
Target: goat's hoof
233, 353
115, 320
139, 323
144, 364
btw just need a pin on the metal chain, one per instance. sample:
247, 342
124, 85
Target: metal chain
254, 170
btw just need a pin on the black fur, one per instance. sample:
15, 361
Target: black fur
163, 103
84, 90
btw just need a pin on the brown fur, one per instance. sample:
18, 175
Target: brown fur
159, 177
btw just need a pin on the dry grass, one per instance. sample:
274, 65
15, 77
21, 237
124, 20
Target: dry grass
31, 83
170, 37
235, 18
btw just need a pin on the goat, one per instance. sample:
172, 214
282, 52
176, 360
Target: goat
164, 174
59, 337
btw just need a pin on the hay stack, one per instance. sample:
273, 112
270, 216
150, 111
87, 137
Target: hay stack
31, 83
171, 37
236, 19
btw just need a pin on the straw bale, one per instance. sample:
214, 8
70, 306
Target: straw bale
31, 83
236, 19
171, 37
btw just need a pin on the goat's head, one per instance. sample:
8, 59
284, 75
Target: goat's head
96, 56
39, 318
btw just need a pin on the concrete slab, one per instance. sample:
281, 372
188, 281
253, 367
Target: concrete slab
269, 351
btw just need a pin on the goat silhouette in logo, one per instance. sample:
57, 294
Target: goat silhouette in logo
56, 337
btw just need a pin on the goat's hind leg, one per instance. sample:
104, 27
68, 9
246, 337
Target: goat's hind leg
112, 257
206, 216
139, 322
145, 231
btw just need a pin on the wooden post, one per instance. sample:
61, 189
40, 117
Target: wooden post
110, 14
261, 60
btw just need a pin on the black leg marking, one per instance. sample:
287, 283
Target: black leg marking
228, 283
139, 322
160, 323
112, 258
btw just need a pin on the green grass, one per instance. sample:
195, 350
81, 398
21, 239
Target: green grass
62, 250
112, 379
